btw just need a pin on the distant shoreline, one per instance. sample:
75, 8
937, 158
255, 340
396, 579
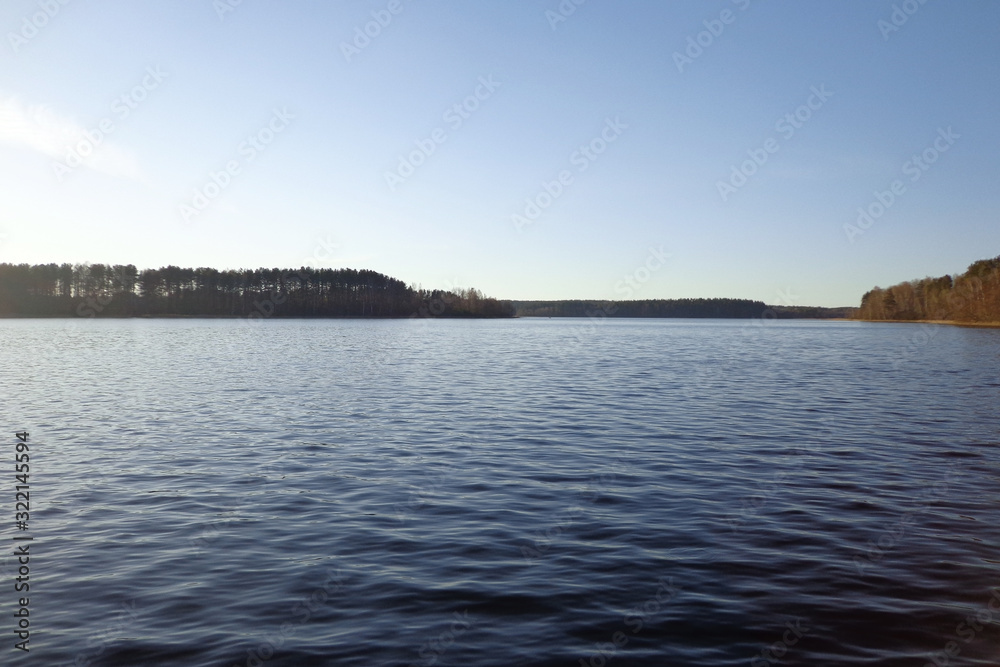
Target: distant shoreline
954, 323
974, 325
9, 316
244, 317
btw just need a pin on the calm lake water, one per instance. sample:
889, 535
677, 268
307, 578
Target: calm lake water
526, 492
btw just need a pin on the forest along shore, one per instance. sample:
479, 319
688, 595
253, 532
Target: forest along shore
954, 323
968, 299
101, 290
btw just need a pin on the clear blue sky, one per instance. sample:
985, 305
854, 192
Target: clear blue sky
337, 121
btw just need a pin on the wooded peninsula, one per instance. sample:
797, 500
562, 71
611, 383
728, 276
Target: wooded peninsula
101, 290
972, 297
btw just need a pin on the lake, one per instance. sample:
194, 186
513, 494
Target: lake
504, 492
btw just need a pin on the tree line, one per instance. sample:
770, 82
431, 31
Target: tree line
973, 296
102, 290
680, 308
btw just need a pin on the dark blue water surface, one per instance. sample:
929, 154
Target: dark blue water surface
525, 492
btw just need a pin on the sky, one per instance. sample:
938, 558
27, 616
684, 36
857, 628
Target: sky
797, 153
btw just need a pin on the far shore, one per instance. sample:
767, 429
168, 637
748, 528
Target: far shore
978, 325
